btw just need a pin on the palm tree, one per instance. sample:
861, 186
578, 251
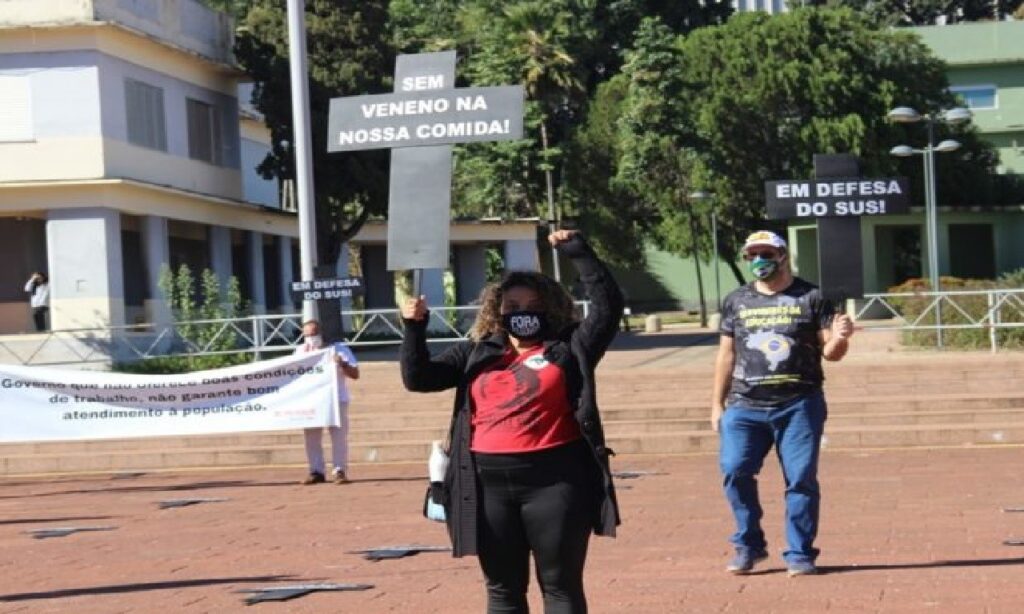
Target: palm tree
535, 31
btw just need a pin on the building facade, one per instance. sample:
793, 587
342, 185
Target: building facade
766, 6
128, 144
979, 241
986, 71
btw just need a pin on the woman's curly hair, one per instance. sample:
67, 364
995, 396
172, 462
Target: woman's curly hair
557, 302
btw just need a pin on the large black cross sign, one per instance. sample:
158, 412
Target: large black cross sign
837, 198
419, 123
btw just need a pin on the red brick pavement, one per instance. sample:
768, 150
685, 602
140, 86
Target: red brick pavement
902, 531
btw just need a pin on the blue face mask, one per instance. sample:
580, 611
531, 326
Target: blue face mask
763, 268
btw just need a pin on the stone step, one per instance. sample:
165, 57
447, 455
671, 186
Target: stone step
935, 400
695, 404
643, 380
430, 426
179, 458
383, 445
643, 392
926, 369
429, 415
682, 442
839, 438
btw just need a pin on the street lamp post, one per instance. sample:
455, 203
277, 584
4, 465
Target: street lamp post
696, 266
702, 195
303, 146
714, 248
952, 116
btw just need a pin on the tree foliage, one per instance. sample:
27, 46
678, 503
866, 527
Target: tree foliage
192, 301
349, 54
612, 216
929, 12
725, 109
642, 102
425, 25
563, 51
235, 8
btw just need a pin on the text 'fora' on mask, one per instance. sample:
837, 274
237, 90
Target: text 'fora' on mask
526, 325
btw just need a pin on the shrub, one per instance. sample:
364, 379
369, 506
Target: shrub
189, 303
975, 307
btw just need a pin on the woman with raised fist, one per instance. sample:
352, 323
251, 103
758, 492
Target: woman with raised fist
528, 470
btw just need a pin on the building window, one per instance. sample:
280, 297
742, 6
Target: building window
145, 108
15, 109
977, 96
204, 134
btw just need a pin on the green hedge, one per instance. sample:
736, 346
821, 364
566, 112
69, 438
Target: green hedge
975, 306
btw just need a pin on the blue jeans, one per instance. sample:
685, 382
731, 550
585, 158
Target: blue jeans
746, 437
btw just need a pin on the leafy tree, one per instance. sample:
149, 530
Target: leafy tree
349, 54
929, 12
609, 213
529, 42
562, 50
617, 24
658, 142
236, 8
419, 26
752, 100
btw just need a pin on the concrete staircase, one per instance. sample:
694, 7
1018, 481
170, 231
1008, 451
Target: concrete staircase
890, 401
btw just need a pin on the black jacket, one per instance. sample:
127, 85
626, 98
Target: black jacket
576, 349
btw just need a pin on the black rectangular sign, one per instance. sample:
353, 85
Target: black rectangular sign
814, 198
327, 289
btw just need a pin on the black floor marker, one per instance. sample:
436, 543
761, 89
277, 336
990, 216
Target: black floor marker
632, 475
382, 553
284, 593
64, 531
169, 503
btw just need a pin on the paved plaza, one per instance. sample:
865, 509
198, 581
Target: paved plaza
902, 531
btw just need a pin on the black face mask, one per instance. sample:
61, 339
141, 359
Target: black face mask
525, 325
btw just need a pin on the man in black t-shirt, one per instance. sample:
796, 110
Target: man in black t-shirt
768, 390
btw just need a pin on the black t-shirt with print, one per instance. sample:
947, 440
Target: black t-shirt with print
778, 351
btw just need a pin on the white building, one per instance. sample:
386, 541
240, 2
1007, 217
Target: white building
123, 149
767, 6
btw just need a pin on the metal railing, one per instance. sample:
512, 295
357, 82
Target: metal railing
952, 310
257, 335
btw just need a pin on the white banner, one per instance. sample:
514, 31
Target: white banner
41, 404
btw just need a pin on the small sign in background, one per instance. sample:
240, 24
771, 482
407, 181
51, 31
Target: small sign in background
327, 289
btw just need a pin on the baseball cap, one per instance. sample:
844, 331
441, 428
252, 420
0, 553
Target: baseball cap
765, 238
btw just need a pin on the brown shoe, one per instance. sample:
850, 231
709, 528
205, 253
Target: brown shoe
340, 477
314, 478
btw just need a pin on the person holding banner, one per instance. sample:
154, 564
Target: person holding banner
348, 367
768, 391
529, 470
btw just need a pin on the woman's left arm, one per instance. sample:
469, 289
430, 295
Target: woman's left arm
598, 329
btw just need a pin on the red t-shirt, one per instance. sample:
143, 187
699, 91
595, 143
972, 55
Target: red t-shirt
520, 404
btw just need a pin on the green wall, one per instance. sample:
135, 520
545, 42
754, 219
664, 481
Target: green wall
670, 281
1008, 237
988, 53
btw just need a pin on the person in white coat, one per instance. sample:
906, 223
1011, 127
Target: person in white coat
348, 368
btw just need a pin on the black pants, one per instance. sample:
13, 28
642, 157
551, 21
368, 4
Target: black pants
39, 316
539, 502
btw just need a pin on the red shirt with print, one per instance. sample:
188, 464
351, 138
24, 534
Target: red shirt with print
520, 404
